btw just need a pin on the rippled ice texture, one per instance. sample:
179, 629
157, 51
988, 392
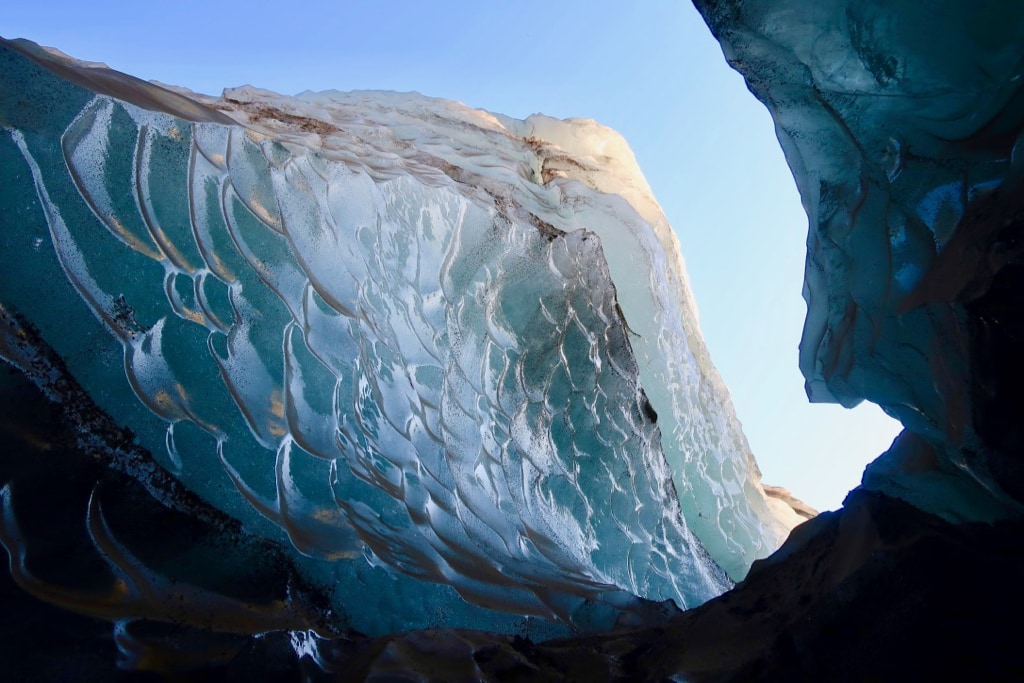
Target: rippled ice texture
390, 322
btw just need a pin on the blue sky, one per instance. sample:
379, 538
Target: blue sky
652, 71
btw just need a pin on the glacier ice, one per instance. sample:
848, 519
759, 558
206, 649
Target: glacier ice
428, 347
901, 122
902, 125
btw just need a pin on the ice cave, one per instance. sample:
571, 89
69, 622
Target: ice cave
377, 386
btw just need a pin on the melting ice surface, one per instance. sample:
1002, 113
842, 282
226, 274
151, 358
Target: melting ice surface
427, 345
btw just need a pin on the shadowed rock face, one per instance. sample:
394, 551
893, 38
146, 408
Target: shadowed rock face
901, 122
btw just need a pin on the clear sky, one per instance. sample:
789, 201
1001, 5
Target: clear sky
652, 71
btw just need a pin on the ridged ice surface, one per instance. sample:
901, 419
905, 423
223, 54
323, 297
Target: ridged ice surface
390, 322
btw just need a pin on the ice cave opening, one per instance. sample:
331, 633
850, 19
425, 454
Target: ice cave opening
373, 385
746, 262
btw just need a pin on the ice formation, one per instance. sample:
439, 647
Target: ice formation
426, 345
901, 123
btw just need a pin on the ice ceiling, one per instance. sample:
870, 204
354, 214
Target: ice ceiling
422, 347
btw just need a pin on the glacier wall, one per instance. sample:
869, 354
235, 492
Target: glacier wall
390, 331
902, 125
